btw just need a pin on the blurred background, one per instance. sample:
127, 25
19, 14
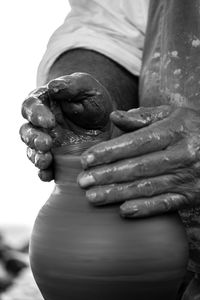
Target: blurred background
25, 27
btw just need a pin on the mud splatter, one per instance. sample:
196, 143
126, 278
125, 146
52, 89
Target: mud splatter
156, 55
196, 43
177, 72
177, 86
174, 53
177, 99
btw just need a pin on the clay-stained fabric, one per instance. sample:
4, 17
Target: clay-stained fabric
171, 75
171, 64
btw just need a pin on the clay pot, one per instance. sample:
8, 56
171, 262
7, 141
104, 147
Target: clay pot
78, 251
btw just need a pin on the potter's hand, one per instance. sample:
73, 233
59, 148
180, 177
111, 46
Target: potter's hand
193, 290
56, 110
152, 170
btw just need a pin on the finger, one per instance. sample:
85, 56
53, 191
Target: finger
145, 140
42, 94
46, 175
37, 113
43, 160
148, 187
82, 99
150, 165
146, 207
73, 87
40, 160
66, 95
35, 138
139, 117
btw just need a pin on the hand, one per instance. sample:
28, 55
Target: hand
151, 170
193, 290
71, 108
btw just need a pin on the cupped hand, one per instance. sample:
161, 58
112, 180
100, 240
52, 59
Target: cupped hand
151, 169
69, 109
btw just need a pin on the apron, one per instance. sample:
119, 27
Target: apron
170, 74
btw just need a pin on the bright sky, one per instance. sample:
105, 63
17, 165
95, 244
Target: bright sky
25, 27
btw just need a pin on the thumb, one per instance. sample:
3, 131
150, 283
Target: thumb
73, 87
139, 117
81, 99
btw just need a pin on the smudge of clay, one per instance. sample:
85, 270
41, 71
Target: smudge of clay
176, 86
190, 79
196, 43
174, 53
177, 72
177, 99
156, 55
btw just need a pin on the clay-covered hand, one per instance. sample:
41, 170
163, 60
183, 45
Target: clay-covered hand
193, 290
65, 110
152, 169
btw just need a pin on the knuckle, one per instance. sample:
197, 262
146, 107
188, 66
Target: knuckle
42, 161
55, 85
37, 113
149, 206
42, 142
46, 175
173, 202
141, 168
167, 204
26, 134
29, 106
146, 188
185, 183
182, 177
30, 101
40, 93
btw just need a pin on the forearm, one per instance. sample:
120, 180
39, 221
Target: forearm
121, 84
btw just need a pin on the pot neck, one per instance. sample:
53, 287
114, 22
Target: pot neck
67, 162
66, 168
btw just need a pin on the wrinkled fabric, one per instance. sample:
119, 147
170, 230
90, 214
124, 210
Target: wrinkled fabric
171, 65
113, 28
170, 75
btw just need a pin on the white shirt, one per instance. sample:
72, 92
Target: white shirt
114, 28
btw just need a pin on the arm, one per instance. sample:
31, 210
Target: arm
155, 169
120, 83
81, 31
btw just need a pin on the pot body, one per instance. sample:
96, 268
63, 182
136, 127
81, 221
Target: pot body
79, 251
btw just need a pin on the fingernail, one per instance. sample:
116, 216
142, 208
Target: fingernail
87, 160
86, 180
57, 85
94, 198
128, 210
